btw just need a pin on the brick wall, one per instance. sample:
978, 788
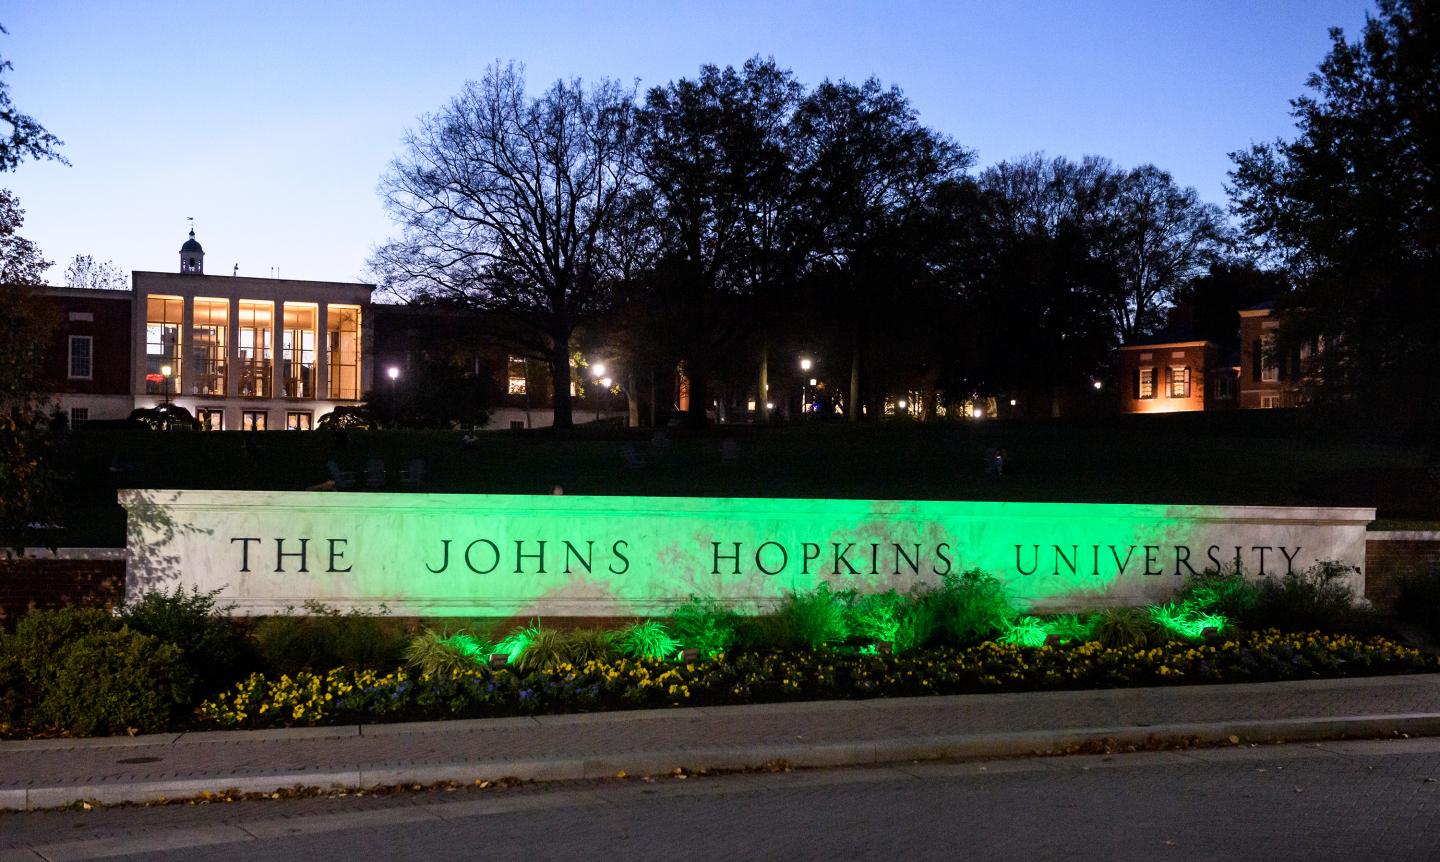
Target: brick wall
30, 584
1391, 555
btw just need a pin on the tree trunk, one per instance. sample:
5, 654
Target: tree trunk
854, 402
560, 381
632, 401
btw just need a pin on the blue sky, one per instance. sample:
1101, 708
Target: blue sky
271, 122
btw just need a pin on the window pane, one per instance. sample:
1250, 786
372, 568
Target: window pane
298, 350
342, 328
254, 333
163, 318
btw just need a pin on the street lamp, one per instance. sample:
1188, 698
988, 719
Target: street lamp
1098, 385
806, 363
165, 372
393, 372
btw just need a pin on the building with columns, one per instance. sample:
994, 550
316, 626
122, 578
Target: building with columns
238, 353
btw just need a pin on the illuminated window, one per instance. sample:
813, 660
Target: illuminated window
1268, 373
82, 357
207, 346
163, 318
210, 418
518, 376
255, 330
298, 350
342, 328
1179, 382
1147, 383
1269, 402
254, 420
299, 420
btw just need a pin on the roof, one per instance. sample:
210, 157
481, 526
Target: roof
191, 245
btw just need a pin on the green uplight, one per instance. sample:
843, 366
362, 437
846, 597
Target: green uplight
1026, 632
1186, 621
515, 643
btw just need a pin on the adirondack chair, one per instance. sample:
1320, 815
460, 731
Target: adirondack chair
729, 451
375, 473
341, 478
413, 476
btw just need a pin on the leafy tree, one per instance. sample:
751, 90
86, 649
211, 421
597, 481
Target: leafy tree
867, 167
507, 204
86, 272
27, 139
718, 163
27, 485
1351, 208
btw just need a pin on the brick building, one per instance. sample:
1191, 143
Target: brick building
238, 353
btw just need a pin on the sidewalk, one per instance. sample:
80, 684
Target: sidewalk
46, 773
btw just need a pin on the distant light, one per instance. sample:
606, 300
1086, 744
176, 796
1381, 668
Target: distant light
902, 403
597, 370
805, 364
978, 413
812, 381
1012, 402
393, 372
769, 405
605, 382
1098, 385
166, 371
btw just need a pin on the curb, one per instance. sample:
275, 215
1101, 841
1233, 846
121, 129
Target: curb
834, 754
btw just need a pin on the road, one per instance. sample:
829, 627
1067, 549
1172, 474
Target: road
1342, 800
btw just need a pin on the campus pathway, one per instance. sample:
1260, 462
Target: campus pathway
47, 773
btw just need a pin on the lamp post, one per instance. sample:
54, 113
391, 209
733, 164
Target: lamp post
806, 363
597, 376
165, 372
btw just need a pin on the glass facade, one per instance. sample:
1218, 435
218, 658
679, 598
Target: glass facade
254, 328
342, 329
208, 347
164, 316
298, 350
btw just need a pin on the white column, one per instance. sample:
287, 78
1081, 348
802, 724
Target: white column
277, 342
322, 352
183, 372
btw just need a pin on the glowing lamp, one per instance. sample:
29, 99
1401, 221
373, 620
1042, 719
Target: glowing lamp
393, 372
902, 403
166, 371
805, 364
978, 413
605, 382
597, 370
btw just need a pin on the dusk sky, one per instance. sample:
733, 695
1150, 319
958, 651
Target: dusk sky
271, 123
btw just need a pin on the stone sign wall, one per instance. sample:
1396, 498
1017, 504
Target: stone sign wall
499, 555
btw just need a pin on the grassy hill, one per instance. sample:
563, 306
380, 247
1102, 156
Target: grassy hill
1252, 458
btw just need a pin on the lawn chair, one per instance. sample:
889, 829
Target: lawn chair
413, 476
631, 456
729, 451
341, 478
374, 473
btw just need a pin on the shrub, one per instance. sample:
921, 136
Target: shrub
1319, 597
545, 649
1072, 628
1183, 620
970, 607
811, 620
1124, 627
1417, 599
704, 625
1225, 592
438, 653
113, 681
191, 622
515, 643
326, 638
1026, 631
582, 645
906, 622
647, 640
28, 657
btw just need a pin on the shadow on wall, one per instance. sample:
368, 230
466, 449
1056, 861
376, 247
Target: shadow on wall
149, 532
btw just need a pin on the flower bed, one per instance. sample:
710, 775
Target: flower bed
347, 695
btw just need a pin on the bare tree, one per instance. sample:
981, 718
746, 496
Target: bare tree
88, 273
506, 205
